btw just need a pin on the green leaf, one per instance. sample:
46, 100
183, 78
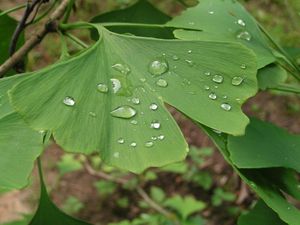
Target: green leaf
184, 206
141, 12
68, 164
7, 28
106, 100
18, 143
261, 184
265, 145
157, 194
271, 76
72, 205
223, 20
260, 214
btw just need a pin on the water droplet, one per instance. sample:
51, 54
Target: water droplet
162, 83
153, 138
134, 122
155, 124
216, 86
102, 88
149, 144
69, 101
124, 69
158, 67
135, 101
226, 106
236, 81
211, 12
243, 66
217, 131
133, 144
153, 107
241, 23
225, 97
245, 35
190, 62
116, 85
161, 137
175, 58
143, 80
121, 141
212, 96
207, 73
206, 87
218, 79
116, 154
190, 51
92, 114
192, 23
125, 112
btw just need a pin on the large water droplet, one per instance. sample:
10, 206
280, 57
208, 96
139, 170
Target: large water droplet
149, 144
241, 23
153, 107
125, 112
135, 101
121, 141
162, 83
155, 124
116, 85
218, 79
212, 96
122, 68
158, 67
69, 101
226, 106
245, 35
102, 88
236, 81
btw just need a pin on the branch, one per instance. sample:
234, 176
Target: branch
35, 38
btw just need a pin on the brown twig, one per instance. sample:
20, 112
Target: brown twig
35, 38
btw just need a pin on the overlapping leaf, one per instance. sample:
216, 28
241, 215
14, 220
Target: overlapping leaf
223, 20
271, 76
120, 64
19, 145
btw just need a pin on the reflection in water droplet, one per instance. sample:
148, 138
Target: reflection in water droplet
162, 83
69, 101
241, 23
161, 137
245, 35
175, 58
236, 81
116, 85
124, 69
134, 122
116, 154
133, 144
125, 112
153, 107
102, 88
121, 141
212, 96
158, 67
149, 144
218, 79
243, 66
135, 101
226, 106
92, 114
155, 124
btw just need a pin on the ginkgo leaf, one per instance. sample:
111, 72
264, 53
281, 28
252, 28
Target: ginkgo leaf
271, 76
19, 145
223, 20
265, 145
111, 97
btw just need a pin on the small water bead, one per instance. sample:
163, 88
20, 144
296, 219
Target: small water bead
116, 85
121, 141
189, 62
69, 101
92, 114
149, 144
125, 112
162, 83
236, 81
225, 96
155, 124
158, 67
124, 69
245, 35
153, 138
175, 58
243, 66
207, 73
116, 154
212, 96
190, 51
217, 131
192, 23
153, 107
134, 122
211, 12
135, 101
241, 23
143, 80
133, 144
161, 137
218, 79
206, 87
102, 88
226, 106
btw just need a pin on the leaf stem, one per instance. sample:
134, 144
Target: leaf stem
287, 88
16, 8
68, 11
133, 25
73, 26
76, 40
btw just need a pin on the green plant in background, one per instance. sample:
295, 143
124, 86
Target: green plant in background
110, 98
